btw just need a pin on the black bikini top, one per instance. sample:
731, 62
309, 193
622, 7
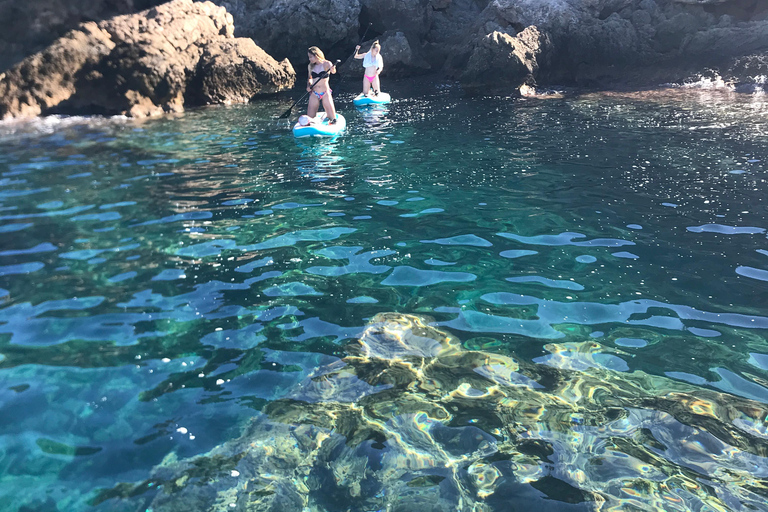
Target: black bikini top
321, 74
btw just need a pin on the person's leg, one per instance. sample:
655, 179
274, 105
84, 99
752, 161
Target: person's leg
376, 85
366, 85
313, 105
330, 108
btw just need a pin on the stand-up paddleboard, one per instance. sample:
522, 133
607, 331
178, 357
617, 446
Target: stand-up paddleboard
362, 100
320, 127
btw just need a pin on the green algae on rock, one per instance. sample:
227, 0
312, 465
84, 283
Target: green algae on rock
410, 421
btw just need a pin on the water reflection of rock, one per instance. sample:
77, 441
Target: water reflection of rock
411, 421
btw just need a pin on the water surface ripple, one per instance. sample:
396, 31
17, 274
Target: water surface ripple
462, 304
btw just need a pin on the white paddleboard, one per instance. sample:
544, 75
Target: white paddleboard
362, 100
320, 127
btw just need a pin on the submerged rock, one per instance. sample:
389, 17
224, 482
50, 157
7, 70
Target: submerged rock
411, 422
179, 54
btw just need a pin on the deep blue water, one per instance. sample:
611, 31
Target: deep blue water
163, 281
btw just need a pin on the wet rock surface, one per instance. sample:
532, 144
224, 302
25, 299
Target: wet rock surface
411, 421
163, 59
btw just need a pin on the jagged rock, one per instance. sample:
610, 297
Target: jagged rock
46, 79
641, 42
750, 66
453, 25
702, 2
33, 25
749, 73
503, 61
401, 57
636, 41
413, 17
440, 5
229, 71
160, 60
286, 28
718, 42
410, 420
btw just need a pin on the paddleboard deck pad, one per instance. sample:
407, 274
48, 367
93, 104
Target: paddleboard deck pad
362, 100
320, 127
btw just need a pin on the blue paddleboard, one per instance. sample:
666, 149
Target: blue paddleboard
320, 127
362, 100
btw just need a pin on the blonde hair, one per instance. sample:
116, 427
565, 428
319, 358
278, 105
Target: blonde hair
317, 52
376, 45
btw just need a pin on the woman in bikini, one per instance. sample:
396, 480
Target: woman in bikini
319, 69
373, 64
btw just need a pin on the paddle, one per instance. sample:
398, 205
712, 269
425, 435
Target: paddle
354, 52
361, 40
324, 74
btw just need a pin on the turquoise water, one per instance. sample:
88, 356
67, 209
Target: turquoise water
164, 284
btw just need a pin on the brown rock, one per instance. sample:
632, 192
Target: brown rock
229, 71
48, 78
30, 26
179, 54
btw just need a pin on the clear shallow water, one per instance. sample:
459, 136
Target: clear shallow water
162, 283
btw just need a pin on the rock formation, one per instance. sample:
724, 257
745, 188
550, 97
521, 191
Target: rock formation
412, 421
578, 42
30, 26
286, 28
499, 59
160, 60
642, 42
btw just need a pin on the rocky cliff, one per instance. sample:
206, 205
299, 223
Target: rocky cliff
162, 59
580, 42
30, 26
489, 45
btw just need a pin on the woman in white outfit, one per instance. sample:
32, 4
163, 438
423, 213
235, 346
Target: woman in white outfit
373, 64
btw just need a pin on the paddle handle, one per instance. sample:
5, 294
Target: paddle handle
287, 113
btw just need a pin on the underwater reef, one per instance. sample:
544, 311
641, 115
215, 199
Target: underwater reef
410, 420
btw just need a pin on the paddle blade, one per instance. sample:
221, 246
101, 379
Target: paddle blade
285, 114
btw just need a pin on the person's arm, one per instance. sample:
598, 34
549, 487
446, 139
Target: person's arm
358, 55
379, 64
309, 77
332, 69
